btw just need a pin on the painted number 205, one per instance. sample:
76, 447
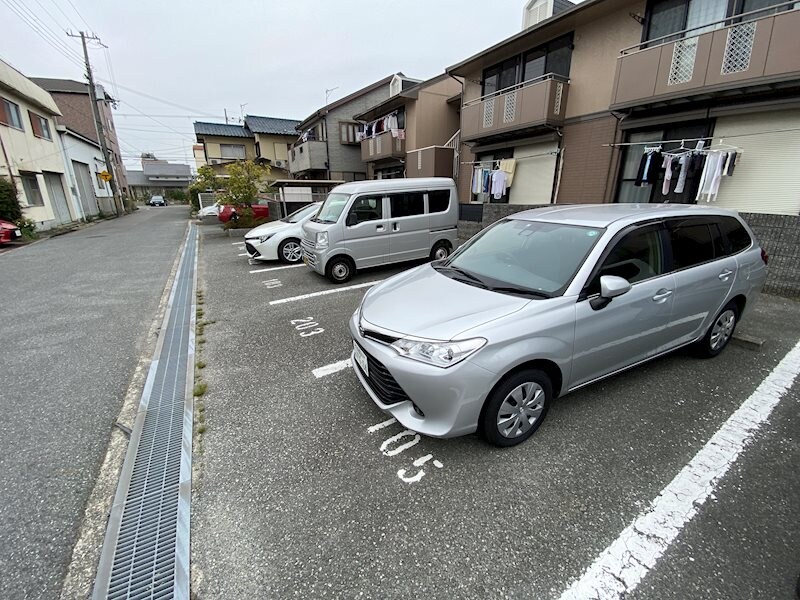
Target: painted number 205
307, 326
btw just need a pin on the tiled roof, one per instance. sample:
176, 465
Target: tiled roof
271, 125
164, 169
203, 128
66, 86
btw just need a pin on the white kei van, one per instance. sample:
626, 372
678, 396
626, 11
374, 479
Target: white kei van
370, 223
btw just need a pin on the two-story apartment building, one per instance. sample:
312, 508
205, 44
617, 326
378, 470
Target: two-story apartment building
224, 143
329, 146
581, 99
414, 132
73, 100
31, 152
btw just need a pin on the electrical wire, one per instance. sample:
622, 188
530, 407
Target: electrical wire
45, 28
708, 137
66, 16
151, 97
42, 34
80, 16
110, 67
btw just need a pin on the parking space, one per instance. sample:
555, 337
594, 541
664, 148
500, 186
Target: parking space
306, 489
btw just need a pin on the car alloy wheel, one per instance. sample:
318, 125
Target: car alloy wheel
520, 409
291, 251
722, 330
340, 271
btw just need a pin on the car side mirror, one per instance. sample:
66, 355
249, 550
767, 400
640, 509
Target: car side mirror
611, 286
352, 219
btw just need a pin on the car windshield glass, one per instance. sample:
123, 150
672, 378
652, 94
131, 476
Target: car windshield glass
531, 258
301, 214
332, 208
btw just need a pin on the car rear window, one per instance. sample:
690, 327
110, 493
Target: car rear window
735, 234
407, 204
691, 243
438, 201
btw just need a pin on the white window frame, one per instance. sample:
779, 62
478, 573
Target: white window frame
222, 154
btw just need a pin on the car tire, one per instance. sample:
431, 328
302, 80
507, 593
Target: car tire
520, 402
340, 269
440, 251
290, 251
720, 332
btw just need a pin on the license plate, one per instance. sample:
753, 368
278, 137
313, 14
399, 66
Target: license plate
361, 359
18, 233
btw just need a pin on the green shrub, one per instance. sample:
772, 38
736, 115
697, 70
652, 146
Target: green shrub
28, 228
10, 209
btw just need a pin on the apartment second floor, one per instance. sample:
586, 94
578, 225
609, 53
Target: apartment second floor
329, 140
626, 55
416, 124
224, 144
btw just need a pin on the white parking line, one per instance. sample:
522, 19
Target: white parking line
332, 368
277, 268
617, 571
243, 254
237, 243
324, 293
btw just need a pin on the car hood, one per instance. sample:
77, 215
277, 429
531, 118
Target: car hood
424, 303
269, 228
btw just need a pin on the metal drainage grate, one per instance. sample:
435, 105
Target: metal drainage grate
146, 549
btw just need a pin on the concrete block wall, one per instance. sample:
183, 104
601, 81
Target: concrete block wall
780, 237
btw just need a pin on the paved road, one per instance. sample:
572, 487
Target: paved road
295, 498
74, 311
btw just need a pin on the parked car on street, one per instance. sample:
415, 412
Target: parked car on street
157, 201
9, 232
212, 210
228, 212
280, 240
372, 223
545, 302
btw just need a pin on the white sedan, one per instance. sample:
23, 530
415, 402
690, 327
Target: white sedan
212, 210
280, 240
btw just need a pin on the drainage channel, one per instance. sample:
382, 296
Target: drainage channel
146, 549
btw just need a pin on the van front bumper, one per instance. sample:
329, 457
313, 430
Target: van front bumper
448, 401
313, 258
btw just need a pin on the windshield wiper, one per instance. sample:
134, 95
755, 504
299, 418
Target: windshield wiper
521, 291
472, 278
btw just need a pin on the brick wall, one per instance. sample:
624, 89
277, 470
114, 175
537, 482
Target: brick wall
589, 169
780, 237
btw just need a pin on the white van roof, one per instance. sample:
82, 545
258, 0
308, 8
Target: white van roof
382, 185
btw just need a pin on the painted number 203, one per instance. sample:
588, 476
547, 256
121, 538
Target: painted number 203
307, 326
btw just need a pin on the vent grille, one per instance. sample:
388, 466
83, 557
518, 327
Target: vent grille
557, 101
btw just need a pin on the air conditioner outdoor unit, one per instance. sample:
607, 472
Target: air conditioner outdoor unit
214, 161
281, 164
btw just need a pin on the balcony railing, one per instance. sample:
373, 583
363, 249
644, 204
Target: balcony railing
752, 48
541, 101
382, 146
308, 156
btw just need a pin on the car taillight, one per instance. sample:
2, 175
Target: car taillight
764, 256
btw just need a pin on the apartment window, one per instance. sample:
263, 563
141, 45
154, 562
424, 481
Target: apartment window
41, 126
348, 132
9, 114
232, 151
30, 185
553, 57
101, 185
665, 17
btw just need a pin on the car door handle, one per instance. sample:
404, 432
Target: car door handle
379, 227
395, 227
725, 275
662, 295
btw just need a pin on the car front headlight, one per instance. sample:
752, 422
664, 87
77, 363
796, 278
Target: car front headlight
264, 238
439, 354
322, 239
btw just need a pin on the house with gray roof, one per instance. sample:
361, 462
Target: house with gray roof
157, 177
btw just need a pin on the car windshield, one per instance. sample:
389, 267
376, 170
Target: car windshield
298, 215
332, 208
531, 258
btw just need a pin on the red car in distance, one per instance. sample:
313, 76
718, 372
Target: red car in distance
8, 232
260, 211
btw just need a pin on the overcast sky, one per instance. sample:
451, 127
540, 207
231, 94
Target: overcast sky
276, 57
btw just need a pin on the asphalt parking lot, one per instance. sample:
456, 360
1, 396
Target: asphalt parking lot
303, 489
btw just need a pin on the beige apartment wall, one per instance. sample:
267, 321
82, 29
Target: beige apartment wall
274, 147
436, 120
411, 125
594, 59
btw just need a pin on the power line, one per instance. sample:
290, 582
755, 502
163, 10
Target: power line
66, 16
41, 33
80, 16
45, 28
165, 116
151, 97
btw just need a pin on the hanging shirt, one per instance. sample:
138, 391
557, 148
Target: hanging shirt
644, 163
487, 181
717, 176
713, 161
508, 165
498, 184
477, 180
667, 165
683, 161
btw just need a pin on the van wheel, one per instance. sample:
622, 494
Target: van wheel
340, 269
720, 333
290, 251
516, 408
440, 251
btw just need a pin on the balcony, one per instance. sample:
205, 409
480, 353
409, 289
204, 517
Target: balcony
516, 109
433, 161
381, 147
742, 51
308, 156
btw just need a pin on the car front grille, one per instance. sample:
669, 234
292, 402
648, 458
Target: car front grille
379, 337
381, 382
251, 250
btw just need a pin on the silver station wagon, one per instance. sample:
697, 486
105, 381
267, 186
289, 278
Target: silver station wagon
546, 301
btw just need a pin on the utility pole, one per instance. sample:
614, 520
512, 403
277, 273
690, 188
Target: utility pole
225, 110
98, 122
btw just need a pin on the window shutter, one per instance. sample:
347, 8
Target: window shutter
35, 123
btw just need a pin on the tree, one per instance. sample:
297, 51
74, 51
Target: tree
9, 205
244, 182
206, 180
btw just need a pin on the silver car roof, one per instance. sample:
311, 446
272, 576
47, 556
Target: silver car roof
383, 185
604, 215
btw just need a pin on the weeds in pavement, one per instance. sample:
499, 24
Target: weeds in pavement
200, 364
200, 388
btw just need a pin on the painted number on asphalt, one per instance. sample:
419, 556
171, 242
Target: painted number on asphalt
272, 283
399, 443
307, 326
